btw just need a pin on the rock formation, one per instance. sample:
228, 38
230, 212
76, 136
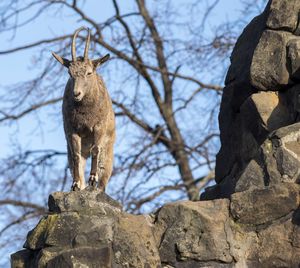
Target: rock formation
250, 218
254, 228
260, 104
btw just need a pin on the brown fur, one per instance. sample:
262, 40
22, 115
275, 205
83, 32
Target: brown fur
89, 122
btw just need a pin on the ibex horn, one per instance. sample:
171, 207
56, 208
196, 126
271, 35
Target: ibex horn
74, 43
87, 45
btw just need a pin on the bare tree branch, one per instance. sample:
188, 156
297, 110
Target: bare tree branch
27, 111
35, 44
22, 204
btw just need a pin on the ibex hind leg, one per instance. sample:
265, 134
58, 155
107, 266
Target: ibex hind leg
75, 185
96, 156
105, 168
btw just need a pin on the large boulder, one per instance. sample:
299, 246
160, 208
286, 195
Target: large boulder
89, 229
194, 231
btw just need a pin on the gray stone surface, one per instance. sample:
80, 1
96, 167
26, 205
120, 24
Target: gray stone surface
194, 231
284, 15
293, 48
88, 199
260, 206
286, 152
252, 177
85, 257
242, 55
22, 259
269, 64
134, 242
275, 248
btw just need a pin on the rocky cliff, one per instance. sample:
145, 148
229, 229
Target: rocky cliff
250, 218
254, 228
261, 96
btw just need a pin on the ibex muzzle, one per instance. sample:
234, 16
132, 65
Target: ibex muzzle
88, 118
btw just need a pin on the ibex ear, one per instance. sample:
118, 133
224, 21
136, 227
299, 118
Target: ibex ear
100, 61
63, 61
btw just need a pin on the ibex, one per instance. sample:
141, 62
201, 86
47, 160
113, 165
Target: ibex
88, 117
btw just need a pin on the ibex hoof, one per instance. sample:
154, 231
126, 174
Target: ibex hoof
93, 181
75, 187
101, 186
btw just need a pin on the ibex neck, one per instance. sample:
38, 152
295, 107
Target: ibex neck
95, 95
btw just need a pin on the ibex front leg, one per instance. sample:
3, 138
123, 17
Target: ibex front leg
94, 176
76, 162
96, 153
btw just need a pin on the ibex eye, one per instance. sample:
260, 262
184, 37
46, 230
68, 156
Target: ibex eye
89, 73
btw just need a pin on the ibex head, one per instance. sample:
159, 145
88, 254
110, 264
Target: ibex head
82, 70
